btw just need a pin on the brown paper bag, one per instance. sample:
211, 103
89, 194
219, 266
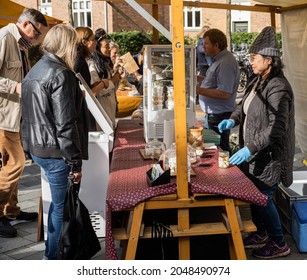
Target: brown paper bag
129, 63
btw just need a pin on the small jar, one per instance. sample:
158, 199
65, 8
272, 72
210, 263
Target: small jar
154, 148
223, 159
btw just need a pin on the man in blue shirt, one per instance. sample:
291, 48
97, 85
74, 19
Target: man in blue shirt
217, 92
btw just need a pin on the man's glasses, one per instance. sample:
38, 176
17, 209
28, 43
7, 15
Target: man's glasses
37, 32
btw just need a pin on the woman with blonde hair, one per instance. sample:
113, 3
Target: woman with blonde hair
54, 130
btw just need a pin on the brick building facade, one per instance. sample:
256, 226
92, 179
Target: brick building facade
103, 15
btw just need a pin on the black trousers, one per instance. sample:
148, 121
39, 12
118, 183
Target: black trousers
212, 121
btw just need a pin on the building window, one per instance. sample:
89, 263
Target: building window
46, 7
240, 26
192, 17
82, 13
240, 20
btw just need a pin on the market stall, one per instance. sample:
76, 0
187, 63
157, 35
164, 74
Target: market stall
293, 16
210, 187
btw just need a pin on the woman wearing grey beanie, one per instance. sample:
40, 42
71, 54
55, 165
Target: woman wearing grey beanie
266, 135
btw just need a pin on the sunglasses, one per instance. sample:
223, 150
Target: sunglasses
37, 32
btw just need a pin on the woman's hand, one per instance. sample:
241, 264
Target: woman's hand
97, 86
116, 77
118, 63
225, 125
77, 177
240, 156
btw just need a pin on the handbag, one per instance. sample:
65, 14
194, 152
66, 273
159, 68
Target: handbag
78, 240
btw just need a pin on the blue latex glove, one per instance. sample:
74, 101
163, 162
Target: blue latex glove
240, 156
225, 125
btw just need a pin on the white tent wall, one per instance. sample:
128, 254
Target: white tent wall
294, 41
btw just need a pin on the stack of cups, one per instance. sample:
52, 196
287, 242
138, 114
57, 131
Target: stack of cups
157, 98
170, 97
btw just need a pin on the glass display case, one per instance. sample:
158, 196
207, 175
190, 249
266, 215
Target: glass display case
158, 96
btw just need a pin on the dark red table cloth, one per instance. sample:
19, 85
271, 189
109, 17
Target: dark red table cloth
128, 186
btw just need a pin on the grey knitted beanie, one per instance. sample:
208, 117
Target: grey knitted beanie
266, 43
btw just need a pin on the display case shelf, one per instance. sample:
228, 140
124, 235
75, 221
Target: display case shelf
158, 99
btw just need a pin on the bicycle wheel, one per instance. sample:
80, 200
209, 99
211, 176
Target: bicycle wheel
243, 80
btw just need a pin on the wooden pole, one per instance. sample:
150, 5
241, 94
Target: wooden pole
180, 122
273, 20
155, 32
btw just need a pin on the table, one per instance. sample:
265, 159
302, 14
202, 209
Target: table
127, 104
128, 190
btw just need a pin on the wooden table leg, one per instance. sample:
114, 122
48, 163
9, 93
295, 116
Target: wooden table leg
40, 222
135, 231
184, 242
232, 252
235, 230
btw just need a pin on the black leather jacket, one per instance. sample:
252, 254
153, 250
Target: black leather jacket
54, 113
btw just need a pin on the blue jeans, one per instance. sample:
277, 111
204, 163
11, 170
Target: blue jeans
212, 121
56, 171
266, 218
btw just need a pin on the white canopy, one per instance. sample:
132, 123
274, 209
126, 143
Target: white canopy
283, 3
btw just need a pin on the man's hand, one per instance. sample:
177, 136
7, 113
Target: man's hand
18, 88
200, 79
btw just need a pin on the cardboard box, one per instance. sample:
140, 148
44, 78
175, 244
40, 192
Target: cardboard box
299, 225
284, 197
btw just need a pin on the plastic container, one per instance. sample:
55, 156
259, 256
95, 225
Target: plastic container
299, 225
285, 197
154, 148
224, 159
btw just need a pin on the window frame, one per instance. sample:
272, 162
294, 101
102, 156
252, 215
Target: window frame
193, 11
83, 15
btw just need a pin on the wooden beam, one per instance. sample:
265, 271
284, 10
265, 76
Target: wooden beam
256, 8
179, 99
155, 32
180, 121
273, 20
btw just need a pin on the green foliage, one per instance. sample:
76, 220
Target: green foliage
133, 41
237, 38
